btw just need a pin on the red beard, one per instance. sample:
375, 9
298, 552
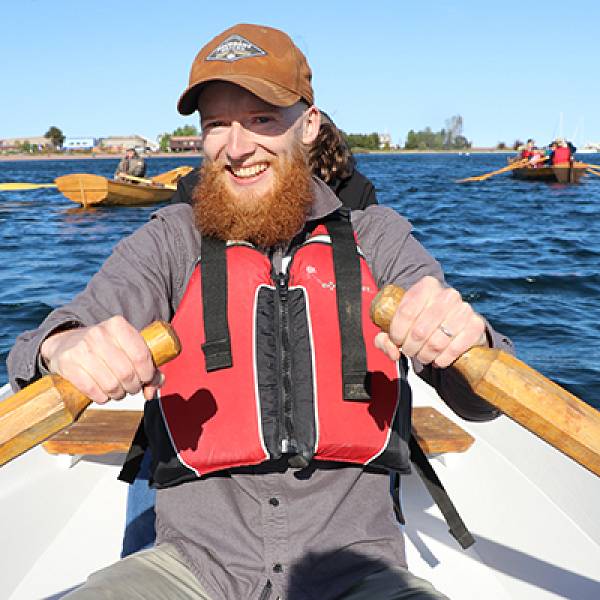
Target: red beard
269, 220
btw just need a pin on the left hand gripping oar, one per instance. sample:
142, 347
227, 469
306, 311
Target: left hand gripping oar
520, 392
52, 403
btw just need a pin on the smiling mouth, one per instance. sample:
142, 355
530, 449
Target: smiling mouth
248, 172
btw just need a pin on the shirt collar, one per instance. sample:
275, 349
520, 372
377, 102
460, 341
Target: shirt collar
325, 201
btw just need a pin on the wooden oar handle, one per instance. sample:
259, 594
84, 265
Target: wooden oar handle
384, 306
52, 403
520, 392
162, 341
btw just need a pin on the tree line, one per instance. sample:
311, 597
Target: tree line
448, 138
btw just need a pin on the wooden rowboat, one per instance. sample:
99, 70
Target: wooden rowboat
533, 512
93, 190
557, 173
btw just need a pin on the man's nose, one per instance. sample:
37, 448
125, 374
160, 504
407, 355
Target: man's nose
239, 142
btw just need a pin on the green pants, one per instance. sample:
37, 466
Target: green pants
160, 573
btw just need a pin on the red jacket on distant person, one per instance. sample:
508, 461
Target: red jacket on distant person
561, 155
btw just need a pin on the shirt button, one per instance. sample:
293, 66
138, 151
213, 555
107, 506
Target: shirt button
274, 502
277, 568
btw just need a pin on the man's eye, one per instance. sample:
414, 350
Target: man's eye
261, 119
212, 125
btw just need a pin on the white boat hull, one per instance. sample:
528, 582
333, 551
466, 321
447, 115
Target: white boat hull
534, 513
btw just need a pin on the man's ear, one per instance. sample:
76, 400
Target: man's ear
310, 125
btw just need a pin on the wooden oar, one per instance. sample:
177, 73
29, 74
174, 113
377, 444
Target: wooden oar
520, 392
15, 186
588, 166
50, 404
147, 181
515, 165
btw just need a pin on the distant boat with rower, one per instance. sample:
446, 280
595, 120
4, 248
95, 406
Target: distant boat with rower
93, 190
561, 173
553, 164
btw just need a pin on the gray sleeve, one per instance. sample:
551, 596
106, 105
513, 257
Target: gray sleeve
138, 168
392, 252
140, 281
395, 256
120, 167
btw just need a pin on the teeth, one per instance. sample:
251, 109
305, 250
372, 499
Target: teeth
249, 171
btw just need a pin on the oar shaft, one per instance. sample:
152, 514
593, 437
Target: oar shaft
45, 407
17, 186
147, 181
520, 392
515, 165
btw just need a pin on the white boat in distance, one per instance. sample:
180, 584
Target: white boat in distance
534, 513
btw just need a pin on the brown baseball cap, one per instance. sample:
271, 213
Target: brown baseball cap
260, 59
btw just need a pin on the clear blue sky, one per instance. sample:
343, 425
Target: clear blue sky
510, 68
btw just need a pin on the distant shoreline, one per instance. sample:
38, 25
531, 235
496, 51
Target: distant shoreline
197, 155
59, 156
467, 151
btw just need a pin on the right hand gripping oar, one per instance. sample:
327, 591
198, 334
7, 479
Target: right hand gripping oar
520, 392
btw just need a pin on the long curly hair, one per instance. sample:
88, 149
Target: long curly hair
329, 157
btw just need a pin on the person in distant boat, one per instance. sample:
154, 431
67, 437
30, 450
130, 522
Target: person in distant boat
277, 427
131, 164
562, 153
528, 150
538, 158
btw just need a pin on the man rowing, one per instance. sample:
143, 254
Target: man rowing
274, 432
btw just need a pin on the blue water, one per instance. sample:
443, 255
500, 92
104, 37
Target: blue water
525, 254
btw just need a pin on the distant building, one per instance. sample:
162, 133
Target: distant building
16, 144
385, 141
590, 147
119, 144
185, 143
79, 143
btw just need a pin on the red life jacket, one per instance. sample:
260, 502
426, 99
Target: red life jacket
561, 155
285, 391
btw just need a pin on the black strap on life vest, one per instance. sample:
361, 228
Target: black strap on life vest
135, 455
213, 268
348, 290
456, 525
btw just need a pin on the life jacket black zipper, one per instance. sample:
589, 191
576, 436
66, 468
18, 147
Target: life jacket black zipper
286, 432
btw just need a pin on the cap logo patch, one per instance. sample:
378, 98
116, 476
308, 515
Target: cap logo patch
235, 47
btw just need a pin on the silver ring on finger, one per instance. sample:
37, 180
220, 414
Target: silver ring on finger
446, 331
